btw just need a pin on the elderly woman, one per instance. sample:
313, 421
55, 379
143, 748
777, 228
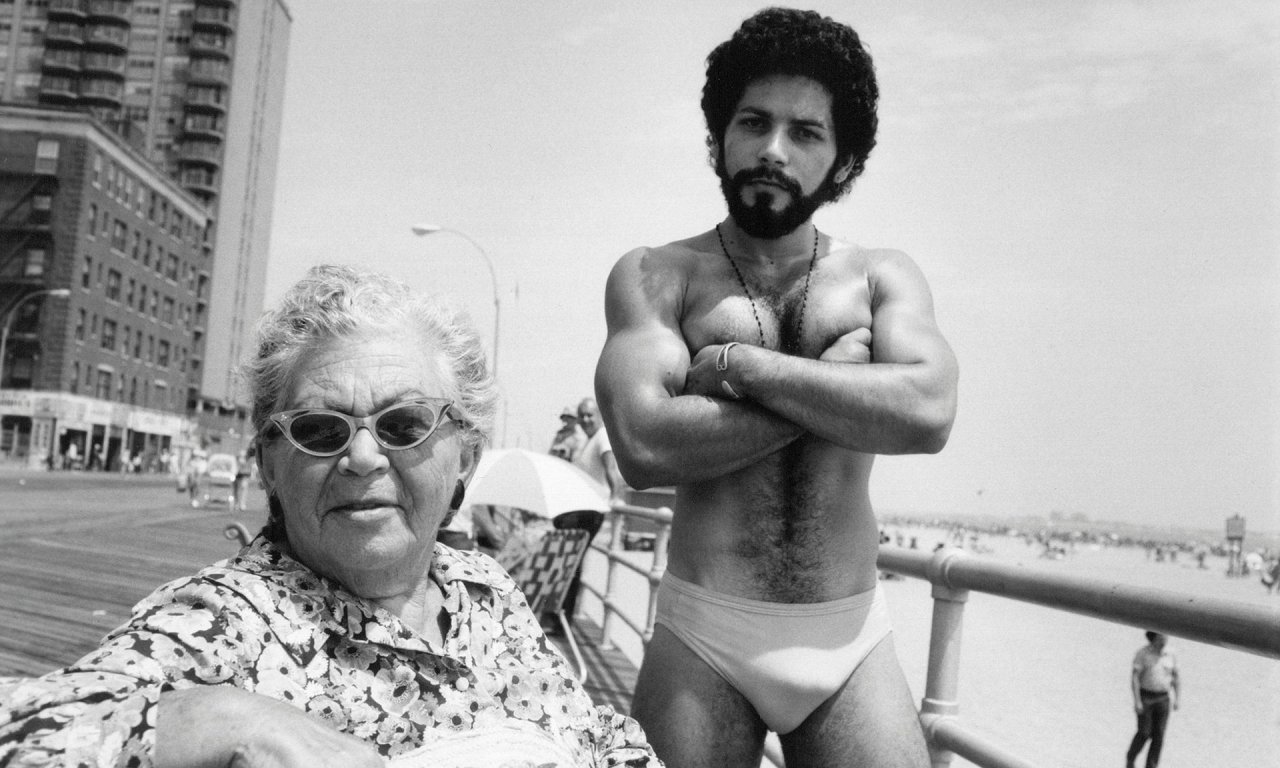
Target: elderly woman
344, 634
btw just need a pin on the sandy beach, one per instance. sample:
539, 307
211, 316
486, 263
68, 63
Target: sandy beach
1053, 687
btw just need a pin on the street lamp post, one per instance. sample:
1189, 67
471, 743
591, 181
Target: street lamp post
61, 293
429, 229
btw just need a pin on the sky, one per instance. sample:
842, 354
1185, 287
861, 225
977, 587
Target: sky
1091, 188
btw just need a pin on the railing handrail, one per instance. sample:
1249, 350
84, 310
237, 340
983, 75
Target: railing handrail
1224, 623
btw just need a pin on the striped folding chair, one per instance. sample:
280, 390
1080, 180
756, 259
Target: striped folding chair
544, 577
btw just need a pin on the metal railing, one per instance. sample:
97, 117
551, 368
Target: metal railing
953, 574
661, 516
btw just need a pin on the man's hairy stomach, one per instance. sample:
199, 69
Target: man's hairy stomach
796, 527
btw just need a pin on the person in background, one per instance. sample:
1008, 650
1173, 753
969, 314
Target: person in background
1156, 691
344, 634
570, 438
596, 458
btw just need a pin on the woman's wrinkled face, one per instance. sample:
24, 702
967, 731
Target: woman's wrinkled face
367, 517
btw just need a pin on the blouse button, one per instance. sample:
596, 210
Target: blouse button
462, 684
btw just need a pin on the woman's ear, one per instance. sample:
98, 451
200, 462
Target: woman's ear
266, 470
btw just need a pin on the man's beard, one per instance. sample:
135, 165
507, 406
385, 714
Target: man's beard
761, 220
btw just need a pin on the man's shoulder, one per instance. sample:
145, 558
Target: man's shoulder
675, 255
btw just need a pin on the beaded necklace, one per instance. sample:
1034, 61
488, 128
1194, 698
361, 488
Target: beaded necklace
804, 299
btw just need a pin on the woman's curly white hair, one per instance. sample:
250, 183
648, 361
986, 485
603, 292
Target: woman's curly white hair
334, 302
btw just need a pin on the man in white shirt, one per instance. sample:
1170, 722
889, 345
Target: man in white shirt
596, 457
1155, 691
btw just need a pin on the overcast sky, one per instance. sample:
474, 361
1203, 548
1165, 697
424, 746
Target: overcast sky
1092, 188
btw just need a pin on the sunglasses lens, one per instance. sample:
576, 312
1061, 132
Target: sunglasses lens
320, 432
405, 426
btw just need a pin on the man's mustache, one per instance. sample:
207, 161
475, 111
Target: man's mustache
771, 175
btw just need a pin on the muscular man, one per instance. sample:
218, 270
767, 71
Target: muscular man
759, 367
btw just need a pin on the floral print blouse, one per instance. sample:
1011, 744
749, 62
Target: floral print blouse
264, 622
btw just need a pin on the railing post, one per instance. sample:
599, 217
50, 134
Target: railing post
660, 542
943, 678
615, 551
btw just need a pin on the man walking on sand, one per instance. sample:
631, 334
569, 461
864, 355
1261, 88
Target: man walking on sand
1156, 691
759, 367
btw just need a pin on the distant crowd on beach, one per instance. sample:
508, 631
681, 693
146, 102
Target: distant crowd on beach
1261, 563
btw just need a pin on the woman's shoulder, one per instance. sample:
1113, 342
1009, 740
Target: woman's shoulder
451, 564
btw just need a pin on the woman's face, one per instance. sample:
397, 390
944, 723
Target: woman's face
367, 517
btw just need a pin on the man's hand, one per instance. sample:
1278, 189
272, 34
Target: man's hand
1137, 706
703, 378
853, 347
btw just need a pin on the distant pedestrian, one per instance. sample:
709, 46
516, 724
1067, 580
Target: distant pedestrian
1156, 691
569, 439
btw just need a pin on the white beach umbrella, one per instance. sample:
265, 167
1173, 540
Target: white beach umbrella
535, 482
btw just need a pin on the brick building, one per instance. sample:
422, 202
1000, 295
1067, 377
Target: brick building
99, 348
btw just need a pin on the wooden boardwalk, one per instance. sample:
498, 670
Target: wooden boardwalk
77, 551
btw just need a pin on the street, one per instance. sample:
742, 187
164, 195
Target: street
78, 549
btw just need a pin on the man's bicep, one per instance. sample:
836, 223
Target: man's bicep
904, 329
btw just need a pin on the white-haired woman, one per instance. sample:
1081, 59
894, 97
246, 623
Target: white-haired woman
344, 634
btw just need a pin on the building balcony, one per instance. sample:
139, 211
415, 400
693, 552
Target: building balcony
203, 127
63, 33
209, 71
210, 44
206, 99
102, 92
61, 61
104, 64
58, 91
110, 10
203, 153
200, 181
68, 9
214, 18
107, 37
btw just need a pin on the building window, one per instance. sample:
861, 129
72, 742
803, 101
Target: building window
108, 340
155, 305
124, 342
74, 384
171, 267
162, 354
119, 236
80, 325
128, 297
113, 285
97, 169
88, 272
137, 244
34, 266
166, 315
137, 346
47, 156
142, 299
103, 390
93, 219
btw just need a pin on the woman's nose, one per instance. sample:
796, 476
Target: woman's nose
364, 456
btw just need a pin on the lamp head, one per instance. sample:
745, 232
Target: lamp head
426, 229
